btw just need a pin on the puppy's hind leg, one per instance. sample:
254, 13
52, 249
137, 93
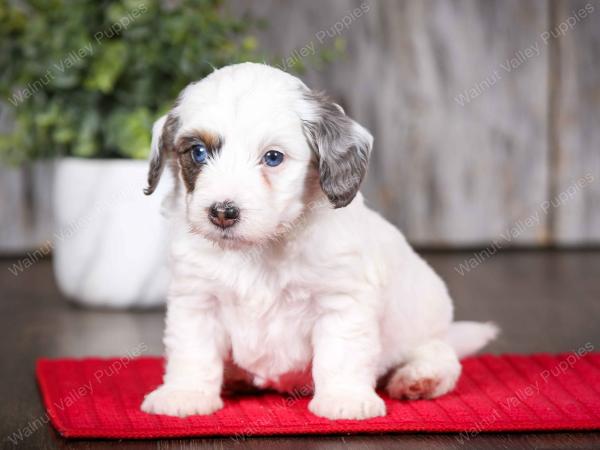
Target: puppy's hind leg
431, 370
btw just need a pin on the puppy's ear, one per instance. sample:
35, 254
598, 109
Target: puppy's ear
163, 135
342, 148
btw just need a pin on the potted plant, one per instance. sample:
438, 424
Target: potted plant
84, 82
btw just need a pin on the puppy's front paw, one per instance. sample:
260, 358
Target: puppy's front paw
348, 404
172, 401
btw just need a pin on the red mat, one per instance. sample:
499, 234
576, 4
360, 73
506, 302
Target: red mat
100, 398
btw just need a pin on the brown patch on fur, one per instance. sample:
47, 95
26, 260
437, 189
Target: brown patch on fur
266, 179
312, 195
189, 169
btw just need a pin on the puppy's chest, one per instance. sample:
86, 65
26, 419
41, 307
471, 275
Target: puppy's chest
269, 329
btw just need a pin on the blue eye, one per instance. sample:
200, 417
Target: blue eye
273, 158
199, 153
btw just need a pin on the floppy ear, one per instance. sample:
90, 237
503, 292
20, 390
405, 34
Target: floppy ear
163, 134
342, 148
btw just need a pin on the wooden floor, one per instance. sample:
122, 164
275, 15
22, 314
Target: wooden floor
544, 302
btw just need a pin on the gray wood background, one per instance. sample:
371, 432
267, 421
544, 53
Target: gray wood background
486, 114
575, 125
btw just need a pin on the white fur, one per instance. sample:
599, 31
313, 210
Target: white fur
297, 292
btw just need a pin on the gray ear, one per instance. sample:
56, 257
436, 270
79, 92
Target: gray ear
342, 148
163, 136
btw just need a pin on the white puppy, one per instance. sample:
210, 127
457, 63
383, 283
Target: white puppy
281, 276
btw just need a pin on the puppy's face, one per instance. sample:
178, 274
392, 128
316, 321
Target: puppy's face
251, 146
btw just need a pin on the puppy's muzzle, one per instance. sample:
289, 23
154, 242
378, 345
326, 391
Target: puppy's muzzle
224, 214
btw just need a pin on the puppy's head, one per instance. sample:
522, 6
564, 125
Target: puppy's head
251, 145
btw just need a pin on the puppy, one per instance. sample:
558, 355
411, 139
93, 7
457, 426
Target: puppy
281, 277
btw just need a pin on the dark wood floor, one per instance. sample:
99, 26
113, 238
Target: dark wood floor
544, 302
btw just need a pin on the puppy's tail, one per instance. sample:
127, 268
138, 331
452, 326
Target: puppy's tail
467, 338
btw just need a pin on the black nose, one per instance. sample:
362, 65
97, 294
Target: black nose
224, 214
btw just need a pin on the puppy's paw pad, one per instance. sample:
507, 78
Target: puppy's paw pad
180, 402
422, 380
347, 405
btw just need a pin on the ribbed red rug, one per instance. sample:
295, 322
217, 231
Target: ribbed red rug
100, 398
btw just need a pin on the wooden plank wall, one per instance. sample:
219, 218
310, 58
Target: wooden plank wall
486, 114
26, 219
576, 124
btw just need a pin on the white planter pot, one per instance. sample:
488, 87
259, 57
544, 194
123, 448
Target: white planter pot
110, 241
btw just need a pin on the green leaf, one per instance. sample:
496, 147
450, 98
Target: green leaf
129, 131
107, 66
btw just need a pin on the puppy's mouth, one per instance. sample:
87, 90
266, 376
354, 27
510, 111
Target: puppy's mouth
229, 237
216, 232
225, 234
